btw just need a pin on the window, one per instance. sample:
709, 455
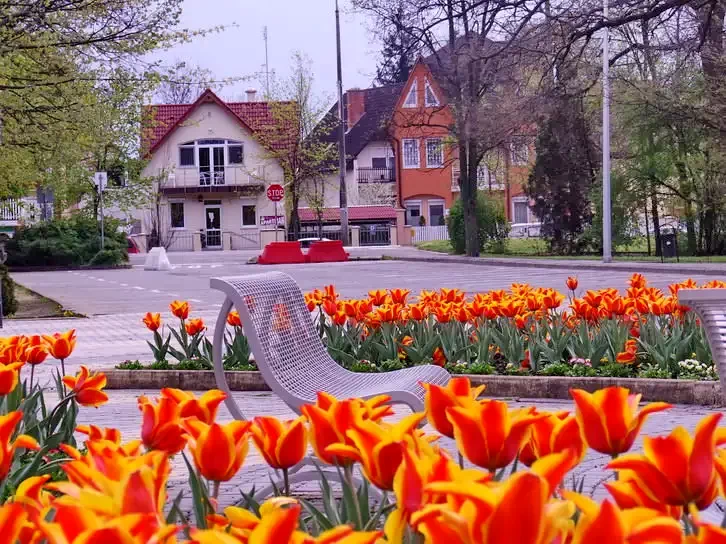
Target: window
430, 96
235, 154
521, 211
413, 213
249, 215
434, 153
436, 213
379, 162
412, 98
177, 215
410, 154
520, 153
186, 156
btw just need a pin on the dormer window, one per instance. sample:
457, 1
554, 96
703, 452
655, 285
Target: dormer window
412, 98
431, 98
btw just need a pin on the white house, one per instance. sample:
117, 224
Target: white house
211, 173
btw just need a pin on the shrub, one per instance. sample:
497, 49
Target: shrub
109, 257
10, 303
493, 226
67, 242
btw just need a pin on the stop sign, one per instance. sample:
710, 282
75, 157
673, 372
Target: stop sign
275, 192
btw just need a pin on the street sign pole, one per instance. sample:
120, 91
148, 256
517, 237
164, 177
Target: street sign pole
276, 225
102, 233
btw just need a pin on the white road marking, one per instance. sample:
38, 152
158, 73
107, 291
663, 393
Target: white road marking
100, 279
194, 300
124, 284
155, 291
139, 288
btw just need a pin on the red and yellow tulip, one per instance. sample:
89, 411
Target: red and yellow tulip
194, 326
554, 433
281, 443
8, 423
180, 309
489, 434
203, 408
161, 428
458, 392
152, 321
87, 387
609, 418
218, 450
676, 469
61, 345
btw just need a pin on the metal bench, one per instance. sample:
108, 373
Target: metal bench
293, 360
710, 305
290, 355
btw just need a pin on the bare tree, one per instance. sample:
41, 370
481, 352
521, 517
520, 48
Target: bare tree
183, 83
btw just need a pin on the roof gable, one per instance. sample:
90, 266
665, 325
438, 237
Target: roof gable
160, 120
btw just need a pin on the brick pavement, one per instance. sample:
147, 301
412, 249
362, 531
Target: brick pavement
121, 411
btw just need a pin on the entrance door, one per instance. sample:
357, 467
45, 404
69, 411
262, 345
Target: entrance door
213, 216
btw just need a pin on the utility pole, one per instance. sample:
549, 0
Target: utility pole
267, 64
607, 234
341, 138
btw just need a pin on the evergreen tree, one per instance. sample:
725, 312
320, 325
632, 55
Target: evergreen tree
399, 50
563, 175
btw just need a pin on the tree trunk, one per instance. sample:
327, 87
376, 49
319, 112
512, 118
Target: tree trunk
468, 201
647, 232
294, 225
656, 218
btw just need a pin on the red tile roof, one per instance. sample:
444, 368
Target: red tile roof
160, 120
355, 213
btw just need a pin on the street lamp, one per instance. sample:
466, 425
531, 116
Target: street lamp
607, 235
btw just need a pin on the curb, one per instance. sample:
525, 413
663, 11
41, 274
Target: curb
23, 269
634, 266
530, 387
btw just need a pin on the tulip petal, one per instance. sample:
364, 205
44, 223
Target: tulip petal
525, 492
276, 527
291, 448
591, 421
701, 465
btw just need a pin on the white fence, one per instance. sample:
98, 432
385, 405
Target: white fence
425, 234
524, 230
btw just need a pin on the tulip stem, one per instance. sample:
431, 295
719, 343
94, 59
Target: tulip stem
215, 489
348, 475
32, 373
286, 481
461, 461
63, 373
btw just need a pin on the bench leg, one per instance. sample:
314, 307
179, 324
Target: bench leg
217, 348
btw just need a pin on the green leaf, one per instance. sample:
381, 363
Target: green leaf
175, 514
323, 522
200, 500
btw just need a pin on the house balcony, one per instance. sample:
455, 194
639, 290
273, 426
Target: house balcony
14, 211
218, 180
376, 175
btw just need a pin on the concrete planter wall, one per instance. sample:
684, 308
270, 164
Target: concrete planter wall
537, 387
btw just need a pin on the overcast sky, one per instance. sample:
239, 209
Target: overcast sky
305, 25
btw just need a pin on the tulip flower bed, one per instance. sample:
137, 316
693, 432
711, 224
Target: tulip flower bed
505, 481
524, 330
192, 350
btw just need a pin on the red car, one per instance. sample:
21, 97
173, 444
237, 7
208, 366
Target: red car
132, 247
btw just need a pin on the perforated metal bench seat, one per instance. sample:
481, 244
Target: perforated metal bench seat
710, 305
290, 355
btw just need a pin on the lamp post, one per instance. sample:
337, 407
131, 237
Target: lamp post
341, 137
607, 235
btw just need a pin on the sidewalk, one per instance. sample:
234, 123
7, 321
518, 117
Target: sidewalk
420, 255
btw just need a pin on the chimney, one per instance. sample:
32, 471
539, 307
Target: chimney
355, 105
251, 95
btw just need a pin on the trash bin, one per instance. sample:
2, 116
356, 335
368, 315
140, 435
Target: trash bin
669, 245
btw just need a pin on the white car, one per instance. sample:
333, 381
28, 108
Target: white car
306, 242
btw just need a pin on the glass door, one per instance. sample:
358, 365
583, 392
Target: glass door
211, 165
213, 216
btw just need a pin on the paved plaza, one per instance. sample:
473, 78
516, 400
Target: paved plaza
115, 301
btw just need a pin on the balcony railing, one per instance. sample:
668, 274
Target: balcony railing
483, 182
376, 175
25, 209
195, 177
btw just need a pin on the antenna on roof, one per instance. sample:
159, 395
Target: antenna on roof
267, 64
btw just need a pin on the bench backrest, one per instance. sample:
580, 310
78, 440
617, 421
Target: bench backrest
284, 340
710, 305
